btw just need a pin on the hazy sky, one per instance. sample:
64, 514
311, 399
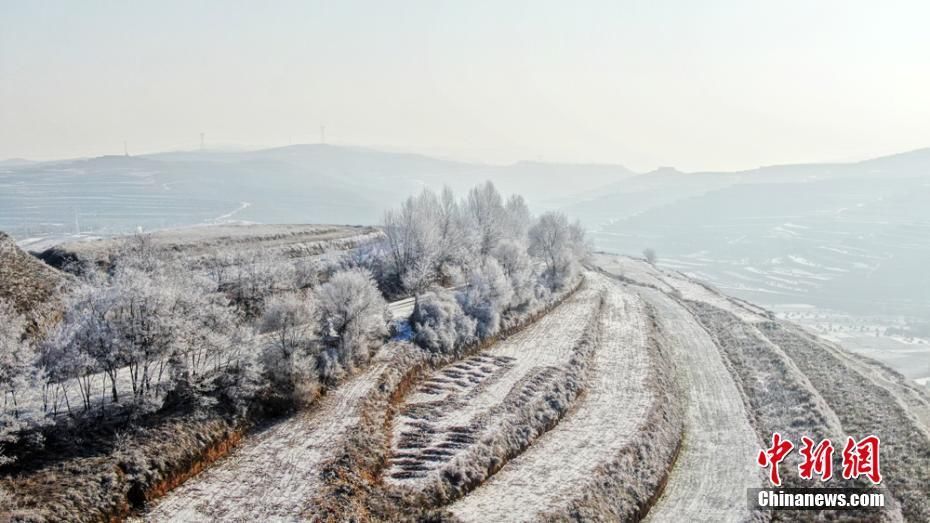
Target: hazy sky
694, 84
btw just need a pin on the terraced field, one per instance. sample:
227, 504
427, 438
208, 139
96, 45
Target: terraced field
557, 469
467, 403
645, 395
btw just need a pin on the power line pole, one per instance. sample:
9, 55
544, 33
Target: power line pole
322, 134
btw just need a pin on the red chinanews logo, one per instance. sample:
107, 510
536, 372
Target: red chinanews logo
860, 458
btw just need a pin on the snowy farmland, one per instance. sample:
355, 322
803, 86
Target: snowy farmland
612, 405
648, 348
609, 400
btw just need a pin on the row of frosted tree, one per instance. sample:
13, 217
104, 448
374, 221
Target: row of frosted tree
475, 265
150, 331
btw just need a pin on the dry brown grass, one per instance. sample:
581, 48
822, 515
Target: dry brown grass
120, 471
33, 288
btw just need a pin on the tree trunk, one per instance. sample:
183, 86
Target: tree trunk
113, 387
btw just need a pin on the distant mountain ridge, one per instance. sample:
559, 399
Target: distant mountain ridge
293, 184
847, 237
318, 183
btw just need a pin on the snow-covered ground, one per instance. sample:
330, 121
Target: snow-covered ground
716, 463
554, 471
674, 282
275, 472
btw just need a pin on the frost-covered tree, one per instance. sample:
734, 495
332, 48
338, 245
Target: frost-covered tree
451, 224
60, 362
148, 325
92, 343
487, 295
206, 338
353, 315
440, 324
425, 241
307, 274
580, 244
17, 372
434, 239
519, 269
559, 245
207, 329
240, 378
148, 315
487, 217
490, 245
414, 241
650, 255
17, 357
290, 322
517, 218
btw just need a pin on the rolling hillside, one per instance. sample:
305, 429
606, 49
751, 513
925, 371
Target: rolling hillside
32, 288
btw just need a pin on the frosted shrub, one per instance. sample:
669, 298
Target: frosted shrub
353, 315
287, 362
307, 273
239, 383
439, 323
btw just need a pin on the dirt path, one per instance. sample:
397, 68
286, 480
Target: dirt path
552, 471
716, 463
273, 474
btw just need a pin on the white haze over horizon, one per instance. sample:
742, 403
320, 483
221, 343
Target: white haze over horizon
717, 85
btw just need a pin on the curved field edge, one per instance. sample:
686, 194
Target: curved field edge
820, 397
715, 419
864, 408
609, 438
353, 489
626, 487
